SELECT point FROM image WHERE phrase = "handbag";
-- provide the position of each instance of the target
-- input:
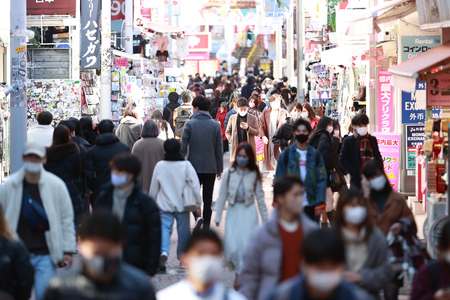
(34, 213)
(190, 204)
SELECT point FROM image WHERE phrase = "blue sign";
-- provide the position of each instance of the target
(415, 135)
(414, 104)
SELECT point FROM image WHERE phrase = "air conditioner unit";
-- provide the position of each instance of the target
(433, 13)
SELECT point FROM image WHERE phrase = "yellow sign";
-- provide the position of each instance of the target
(21, 49)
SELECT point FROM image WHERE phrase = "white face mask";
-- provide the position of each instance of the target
(119, 180)
(242, 113)
(263, 97)
(205, 269)
(305, 115)
(275, 105)
(324, 281)
(355, 215)
(378, 183)
(362, 131)
(330, 129)
(32, 167)
(269, 86)
(296, 115)
(251, 105)
(336, 133)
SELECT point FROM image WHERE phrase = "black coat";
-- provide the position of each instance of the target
(16, 271)
(90, 136)
(350, 158)
(65, 162)
(142, 228)
(284, 135)
(214, 104)
(96, 164)
(127, 284)
(321, 141)
(166, 111)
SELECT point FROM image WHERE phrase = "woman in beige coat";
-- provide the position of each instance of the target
(150, 150)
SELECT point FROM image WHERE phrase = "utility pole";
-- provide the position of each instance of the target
(128, 26)
(300, 55)
(105, 98)
(18, 98)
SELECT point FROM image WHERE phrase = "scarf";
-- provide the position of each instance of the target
(356, 249)
(365, 150)
(173, 156)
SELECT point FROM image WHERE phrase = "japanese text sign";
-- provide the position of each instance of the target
(90, 34)
(389, 145)
(385, 99)
(51, 7)
(121, 62)
(415, 135)
(438, 93)
(415, 45)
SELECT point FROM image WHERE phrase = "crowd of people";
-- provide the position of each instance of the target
(101, 202)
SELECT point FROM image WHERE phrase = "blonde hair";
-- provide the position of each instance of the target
(4, 227)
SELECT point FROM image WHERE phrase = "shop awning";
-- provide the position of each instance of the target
(163, 28)
(377, 10)
(127, 55)
(420, 67)
(341, 55)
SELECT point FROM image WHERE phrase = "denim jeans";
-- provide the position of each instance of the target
(44, 270)
(183, 230)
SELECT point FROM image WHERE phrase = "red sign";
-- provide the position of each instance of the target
(117, 10)
(51, 7)
(121, 62)
(199, 42)
(437, 90)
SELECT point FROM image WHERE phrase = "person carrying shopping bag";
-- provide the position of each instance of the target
(176, 188)
(239, 187)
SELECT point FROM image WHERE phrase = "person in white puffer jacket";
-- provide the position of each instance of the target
(172, 194)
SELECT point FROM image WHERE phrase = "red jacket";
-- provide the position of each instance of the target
(221, 117)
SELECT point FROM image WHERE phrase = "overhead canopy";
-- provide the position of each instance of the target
(127, 55)
(163, 28)
(342, 55)
(378, 9)
(420, 67)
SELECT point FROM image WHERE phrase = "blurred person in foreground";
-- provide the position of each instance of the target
(101, 274)
(43, 132)
(203, 261)
(323, 272)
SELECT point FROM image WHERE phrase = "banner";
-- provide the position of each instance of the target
(90, 34)
(389, 145)
(385, 99)
(415, 135)
(51, 7)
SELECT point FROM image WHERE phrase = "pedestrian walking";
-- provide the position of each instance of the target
(165, 131)
(129, 129)
(38, 208)
(169, 109)
(64, 160)
(253, 106)
(215, 101)
(96, 165)
(247, 89)
(203, 136)
(339, 182)
(183, 113)
(203, 261)
(220, 114)
(303, 160)
(136, 211)
(43, 132)
(16, 271)
(171, 180)
(242, 128)
(79, 138)
(100, 273)
(89, 132)
(231, 111)
(198, 88)
(149, 150)
(309, 114)
(283, 138)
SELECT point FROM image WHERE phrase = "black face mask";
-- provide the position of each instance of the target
(301, 138)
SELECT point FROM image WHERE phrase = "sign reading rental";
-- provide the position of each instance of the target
(51, 7)
(199, 42)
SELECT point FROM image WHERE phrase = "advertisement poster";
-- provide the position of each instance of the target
(438, 93)
(389, 145)
(385, 99)
(415, 135)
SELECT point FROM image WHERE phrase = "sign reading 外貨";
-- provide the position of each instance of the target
(90, 34)
(385, 98)
(415, 135)
(389, 145)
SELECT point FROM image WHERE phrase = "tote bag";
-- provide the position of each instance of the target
(190, 204)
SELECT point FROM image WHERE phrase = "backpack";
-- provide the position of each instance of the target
(197, 90)
(182, 118)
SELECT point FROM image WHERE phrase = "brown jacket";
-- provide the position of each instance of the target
(394, 209)
(232, 133)
(264, 130)
(150, 151)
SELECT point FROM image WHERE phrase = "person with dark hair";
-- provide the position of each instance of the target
(101, 274)
(149, 150)
(64, 160)
(247, 89)
(229, 93)
(242, 128)
(129, 129)
(336, 145)
(167, 188)
(433, 279)
(169, 109)
(197, 87)
(284, 137)
(165, 131)
(203, 136)
(203, 261)
(294, 93)
(219, 114)
(253, 105)
(88, 130)
(365, 245)
(43, 132)
(306, 162)
(242, 185)
(286, 96)
(215, 101)
(322, 278)
(183, 113)
(309, 114)
(273, 254)
(359, 149)
(136, 211)
(96, 165)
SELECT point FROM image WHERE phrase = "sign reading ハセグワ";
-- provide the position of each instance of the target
(90, 34)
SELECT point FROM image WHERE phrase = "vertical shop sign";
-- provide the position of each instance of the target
(389, 145)
(90, 34)
(415, 135)
(385, 107)
(438, 90)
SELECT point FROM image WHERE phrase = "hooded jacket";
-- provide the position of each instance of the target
(129, 131)
(321, 141)
(42, 134)
(284, 135)
(65, 162)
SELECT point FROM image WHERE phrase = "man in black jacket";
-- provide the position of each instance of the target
(100, 274)
(358, 149)
(137, 212)
(96, 165)
(170, 108)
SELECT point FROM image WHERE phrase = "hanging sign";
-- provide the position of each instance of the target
(438, 90)
(389, 145)
(51, 7)
(121, 62)
(90, 34)
(385, 99)
(415, 135)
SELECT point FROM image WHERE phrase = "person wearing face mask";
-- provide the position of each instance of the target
(271, 120)
(365, 245)
(433, 279)
(306, 162)
(136, 211)
(253, 106)
(336, 144)
(274, 251)
(242, 128)
(359, 149)
(309, 114)
(241, 185)
(204, 263)
(39, 210)
(284, 137)
(100, 273)
(323, 269)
